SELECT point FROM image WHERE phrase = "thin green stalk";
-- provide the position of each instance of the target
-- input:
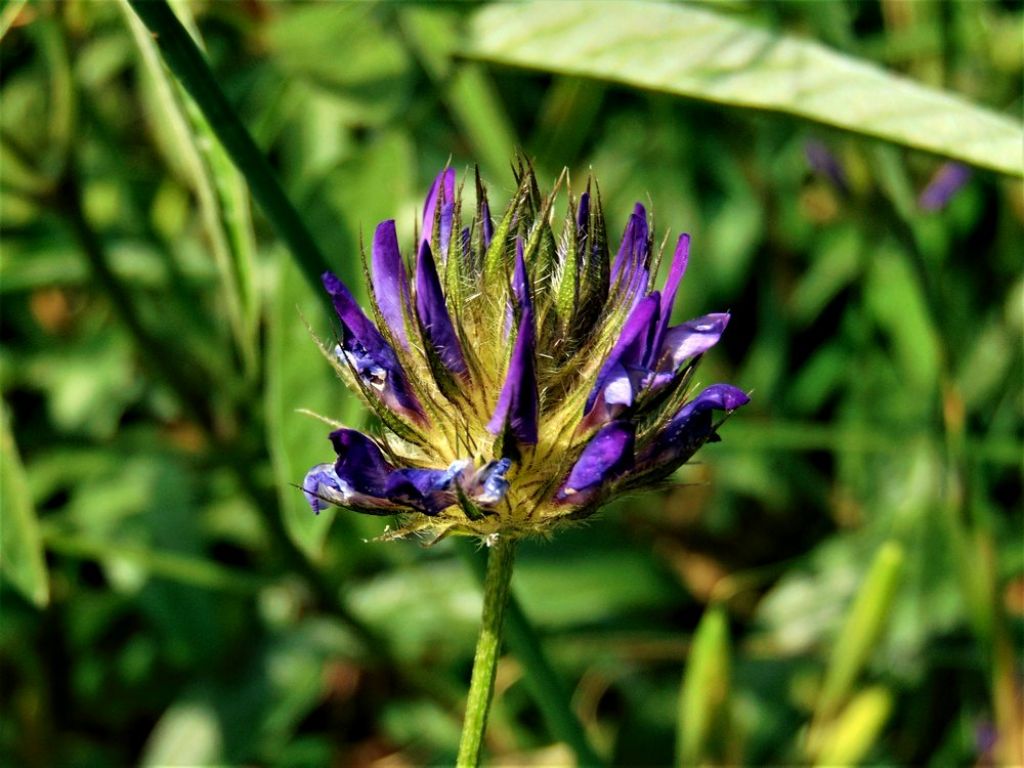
(539, 676)
(485, 662)
(188, 65)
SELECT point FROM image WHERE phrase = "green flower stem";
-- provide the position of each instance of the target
(188, 65)
(485, 662)
(539, 676)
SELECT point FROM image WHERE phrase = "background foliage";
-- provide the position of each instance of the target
(842, 578)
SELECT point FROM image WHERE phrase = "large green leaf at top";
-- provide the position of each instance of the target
(21, 548)
(705, 55)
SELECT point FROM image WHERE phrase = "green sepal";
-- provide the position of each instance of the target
(469, 509)
(596, 272)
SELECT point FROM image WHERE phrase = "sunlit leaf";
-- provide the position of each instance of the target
(705, 55)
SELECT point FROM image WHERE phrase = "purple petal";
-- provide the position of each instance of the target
(519, 403)
(668, 296)
(433, 314)
(690, 428)
(486, 223)
(607, 456)
(426, 490)
(690, 339)
(363, 346)
(632, 255)
(946, 182)
(361, 464)
(321, 487)
(583, 212)
(442, 192)
(630, 350)
(521, 280)
(390, 280)
(718, 397)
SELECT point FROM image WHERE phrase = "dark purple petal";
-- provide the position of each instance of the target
(630, 350)
(718, 397)
(946, 182)
(690, 339)
(362, 479)
(390, 280)
(486, 223)
(583, 212)
(442, 192)
(433, 314)
(521, 280)
(668, 296)
(689, 429)
(607, 456)
(361, 464)
(519, 403)
(824, 162)
(426, 490)
(631, 259)
(373, 359)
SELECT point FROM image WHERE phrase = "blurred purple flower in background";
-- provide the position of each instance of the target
(949, 179)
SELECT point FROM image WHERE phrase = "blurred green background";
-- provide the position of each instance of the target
(840, 580)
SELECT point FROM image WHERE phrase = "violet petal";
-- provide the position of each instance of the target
(442, 192)
(519, 403)
(690, 339)
(668, 295)
(363, 346)
(690, 428)
(390, 280)
(632, 255)
(631, 348)
(433, 314)
(607, 456)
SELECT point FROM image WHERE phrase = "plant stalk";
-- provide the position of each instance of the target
(488, 644)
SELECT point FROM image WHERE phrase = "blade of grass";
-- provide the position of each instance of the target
(705, 692)
(188, 65)
(861, 630)
(190, 132)
(21, 551)
(9, 15)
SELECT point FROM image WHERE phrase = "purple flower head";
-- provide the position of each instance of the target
(949, 179)
(522, 376)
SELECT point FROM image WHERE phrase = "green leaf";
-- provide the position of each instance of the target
(701, 54)
(857, 728)
(705, 687)
(21, 549)
(862, 628)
